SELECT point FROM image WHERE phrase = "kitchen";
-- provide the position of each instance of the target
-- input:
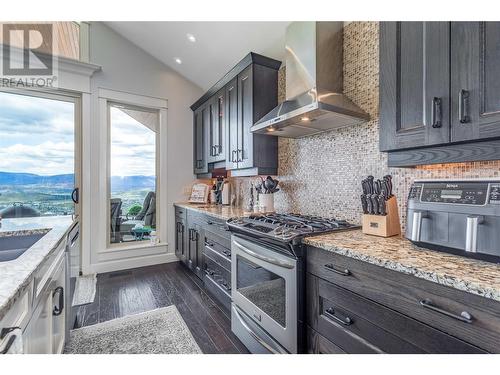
(335, 198)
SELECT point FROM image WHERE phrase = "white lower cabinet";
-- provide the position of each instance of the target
(39, 313)
(38, 333)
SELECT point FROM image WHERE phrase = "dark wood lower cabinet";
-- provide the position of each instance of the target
(357, 325)
(205, 248)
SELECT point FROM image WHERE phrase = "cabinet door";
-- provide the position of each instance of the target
(245, 118)
(200, 140)
(199, 239)
(180, 239)
(475, 74)
(218, 124)
(414, 84)
(59, 310)
(232, 124)
(210, 122)
(38, 333)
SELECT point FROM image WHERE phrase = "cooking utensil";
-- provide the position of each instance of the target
(374, 199)
(369, 204)
(364, 203)
(382, 205)
(388, 179)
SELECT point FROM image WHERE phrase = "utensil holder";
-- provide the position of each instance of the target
(383, 225)
(266, 202)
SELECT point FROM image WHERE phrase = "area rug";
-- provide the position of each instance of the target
(161, 331)
(85, 288)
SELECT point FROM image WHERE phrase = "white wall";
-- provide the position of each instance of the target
(125, 67)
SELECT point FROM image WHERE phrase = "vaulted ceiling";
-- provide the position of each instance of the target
(218, 46)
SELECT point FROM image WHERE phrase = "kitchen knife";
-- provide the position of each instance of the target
(369, 204)
(374, 199)
(369, 179)
(381, 204)
(364, 203)
(388, 178)
(378, 187)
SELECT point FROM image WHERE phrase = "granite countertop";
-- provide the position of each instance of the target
(399, 254)
(218, 211)
(16, 274)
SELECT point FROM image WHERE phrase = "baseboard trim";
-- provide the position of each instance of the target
(125, 264)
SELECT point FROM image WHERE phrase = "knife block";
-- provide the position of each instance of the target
(383, 225)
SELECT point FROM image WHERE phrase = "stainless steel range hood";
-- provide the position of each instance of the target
(314, 84)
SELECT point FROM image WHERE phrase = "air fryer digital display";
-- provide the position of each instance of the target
(475, 193)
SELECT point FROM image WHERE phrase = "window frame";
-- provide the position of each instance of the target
(110, 104)
(69, 97)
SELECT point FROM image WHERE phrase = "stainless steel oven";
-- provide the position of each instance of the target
(264, 294)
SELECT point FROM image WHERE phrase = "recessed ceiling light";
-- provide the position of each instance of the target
(178, 61)
(191, 38)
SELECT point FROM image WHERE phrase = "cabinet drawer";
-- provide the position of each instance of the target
(317, 344)
(218, 273)
(385, 329)
(406, 293)
(219, 245)
(219, 228)
(218, 292)
(180, 211)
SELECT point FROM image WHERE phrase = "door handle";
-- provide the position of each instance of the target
(60, 305)
(463, 106)
(233, 156)
(238, 155)
(436, 113)
(471, 233)
(75, 195)
(254, 335)
(416, 225)
(264, 258)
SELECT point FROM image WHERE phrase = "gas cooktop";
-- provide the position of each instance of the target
(287, 227)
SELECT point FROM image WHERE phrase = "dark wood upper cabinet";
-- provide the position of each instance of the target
(216, 133)
(439, 92)
(200, 144)
(414, 84)
(231, 124)
(475, 85)
(236, 102)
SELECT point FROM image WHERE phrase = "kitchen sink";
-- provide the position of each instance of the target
(13, 247)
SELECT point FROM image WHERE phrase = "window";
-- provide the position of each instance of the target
(37, 155)
(132, 173)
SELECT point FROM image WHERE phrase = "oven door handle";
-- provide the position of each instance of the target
(264, 258)
(254, 335)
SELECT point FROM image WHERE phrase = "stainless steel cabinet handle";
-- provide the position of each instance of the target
(254, 335)
(471, 233)
(60, 306)
(463, 317)
(238, 155)
(232, 156)
(463, 106)
(436, 113)
(264, 258)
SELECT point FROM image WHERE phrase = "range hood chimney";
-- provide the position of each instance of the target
(315, 101)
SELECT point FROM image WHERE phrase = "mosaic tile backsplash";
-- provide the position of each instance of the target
(321, 174)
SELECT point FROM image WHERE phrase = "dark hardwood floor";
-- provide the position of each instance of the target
(141, 289)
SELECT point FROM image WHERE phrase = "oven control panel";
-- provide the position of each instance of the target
(476, 193)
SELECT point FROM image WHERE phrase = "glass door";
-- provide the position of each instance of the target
(132, 179)
(38, 155)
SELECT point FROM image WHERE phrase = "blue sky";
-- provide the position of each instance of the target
(37, 136)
